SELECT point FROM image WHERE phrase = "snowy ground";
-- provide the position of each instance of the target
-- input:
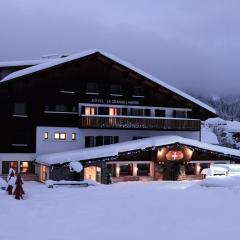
(150, 210)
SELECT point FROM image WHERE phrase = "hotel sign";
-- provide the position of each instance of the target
(113, 101)
(174, 155)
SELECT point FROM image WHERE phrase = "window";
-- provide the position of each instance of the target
(90, 111)
(92, 88)
(74, 136)
(116, 89)
(180, 114)
(99, 141)
(125, 170)
(138, 92)
(60, 136)
(27, 167)
(114, 111)
(92, 141)
(6, 165)
(190, 169)
(159, 113)
(137, 112)
(103, 111)
(46, 135)
(89, 141)
(61, 108)
(20, 108)
(143, 169)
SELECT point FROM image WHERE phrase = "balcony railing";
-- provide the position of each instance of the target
(128, 122)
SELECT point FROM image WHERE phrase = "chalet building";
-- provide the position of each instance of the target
(82, 102)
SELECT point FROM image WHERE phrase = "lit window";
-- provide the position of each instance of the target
(60, 136)
(46, 135)
(27, 167)
(90, 111)
(74, 136)
(114, 111)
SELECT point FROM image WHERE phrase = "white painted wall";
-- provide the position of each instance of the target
(16, 157)
(50, 146)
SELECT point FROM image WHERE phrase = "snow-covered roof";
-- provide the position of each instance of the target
(23, 63)
(72, 57)
(114, 149)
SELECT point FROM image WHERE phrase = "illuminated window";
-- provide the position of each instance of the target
(60, 136)
(46, 135)
(74, 136)
(90, 111)
(114, 111)
(27, 167)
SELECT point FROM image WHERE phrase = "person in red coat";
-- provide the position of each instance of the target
(18, 192)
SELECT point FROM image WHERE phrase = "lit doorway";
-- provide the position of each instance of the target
(92, 173)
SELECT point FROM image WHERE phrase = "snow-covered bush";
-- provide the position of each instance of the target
(75, 167)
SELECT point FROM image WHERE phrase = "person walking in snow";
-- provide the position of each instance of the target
(11, 179)
(18, 192)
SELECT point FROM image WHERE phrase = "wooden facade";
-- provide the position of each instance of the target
(139, 123)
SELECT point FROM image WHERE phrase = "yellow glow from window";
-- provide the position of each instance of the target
(90, 111)
(56, 135)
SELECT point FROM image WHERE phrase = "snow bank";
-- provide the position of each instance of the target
(208, 136)
(232, 126)
(75, 166)
(3, 183)
(221, 181)
(211, 122)
(114, 149)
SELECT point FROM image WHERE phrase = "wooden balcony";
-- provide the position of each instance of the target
(125, 122)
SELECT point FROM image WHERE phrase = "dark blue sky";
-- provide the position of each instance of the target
(193, 45)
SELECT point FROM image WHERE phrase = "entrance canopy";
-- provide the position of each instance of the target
(113, 151)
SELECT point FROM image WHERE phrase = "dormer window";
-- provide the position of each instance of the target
(20, 109)
(116, 90)
(61, 108)
(138, 92)
(92, 88)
